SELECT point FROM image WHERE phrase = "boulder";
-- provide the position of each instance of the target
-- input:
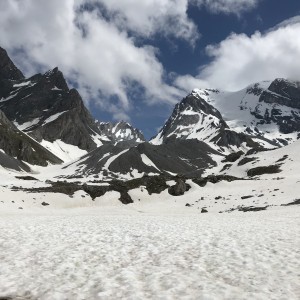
(179, 188)
(272, 169)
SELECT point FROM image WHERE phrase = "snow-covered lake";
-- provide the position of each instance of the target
(103, 253)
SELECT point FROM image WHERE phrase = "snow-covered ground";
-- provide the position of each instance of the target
(56, 246)
(120, 253)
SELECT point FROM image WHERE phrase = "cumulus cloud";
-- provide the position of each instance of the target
(241, 59)
(188, 82)
(100, 44)
(149, 17)
(288, 22)
(167, 17)
(227, 6)
(103, 60)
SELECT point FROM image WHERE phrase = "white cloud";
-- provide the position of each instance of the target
(149, 17)
(167, 17)
(111, 57)
(240, 60)
(105, 60)
(227, 6)
(188, 83)
(288, 22)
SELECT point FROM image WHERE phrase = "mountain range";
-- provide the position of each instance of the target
(44, 125)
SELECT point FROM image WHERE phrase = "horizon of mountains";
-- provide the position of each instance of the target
(44, 122)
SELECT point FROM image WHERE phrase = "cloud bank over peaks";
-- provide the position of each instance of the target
(150, 17)
(240, 59)
(101, 59)
(94, 43)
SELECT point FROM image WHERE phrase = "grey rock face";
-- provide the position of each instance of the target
(179, 188)
(187, 157)
(8, 73)
(17, 147)
(193, 105)
(194, 118)
(45, 108)
(277, 105)
(74, 125)
(12, 163)
(7, 68)
(281, 93)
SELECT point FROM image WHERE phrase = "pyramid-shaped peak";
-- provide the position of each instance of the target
(8, 70)
(58, 79)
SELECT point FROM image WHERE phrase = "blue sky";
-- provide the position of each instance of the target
(180, 57)
(134, 60)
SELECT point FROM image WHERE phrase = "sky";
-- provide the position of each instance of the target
(133, 60)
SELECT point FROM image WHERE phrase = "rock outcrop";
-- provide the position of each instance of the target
(16, 147)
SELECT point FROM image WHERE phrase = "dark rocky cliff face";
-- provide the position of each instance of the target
(283, 92)
(188, 157)
(74, 125)
(18, 146)
(194, 112)
(8, 70)
(8, 73)
(192, 104)
(44, 107)
(280, 94)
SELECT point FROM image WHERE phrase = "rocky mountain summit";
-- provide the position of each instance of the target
(46, 109)
(194, 118)
(8, 70)
(45, 122)
(264, 114)
(283, 97)
(120, 132)
(268, 109)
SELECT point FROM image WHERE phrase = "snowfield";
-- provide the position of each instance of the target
(68, 247)
(117, 252)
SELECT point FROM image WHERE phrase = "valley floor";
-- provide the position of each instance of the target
(121, 253)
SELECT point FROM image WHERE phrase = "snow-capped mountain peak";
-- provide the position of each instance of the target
(120, 132)
(267, 111)
(195, 118)
(192, 118)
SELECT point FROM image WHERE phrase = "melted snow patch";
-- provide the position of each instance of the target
(8, 98)
(97, 140)
(54, 117)
(22, 84)
(27, 125)
(65, 152)
(148, 162)
(111, 159)
(157, 140)
(56, 88)
(104, 156)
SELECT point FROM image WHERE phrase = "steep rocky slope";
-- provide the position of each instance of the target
(264, 114)
(268, 109)
(195, 118)
(44, 107)
(187, 157)
(204, 127)
(16, 147)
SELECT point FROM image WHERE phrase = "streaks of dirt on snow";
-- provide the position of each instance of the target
(236, 256)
